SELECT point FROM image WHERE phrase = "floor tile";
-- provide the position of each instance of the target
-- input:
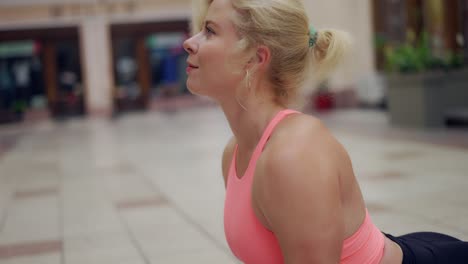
(49, 258)
(31, 220)
(30, 249)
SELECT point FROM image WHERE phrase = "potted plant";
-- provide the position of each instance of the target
(18, 108)
(422, 87)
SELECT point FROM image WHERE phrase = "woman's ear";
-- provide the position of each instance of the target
(260, 59)
(263, 57)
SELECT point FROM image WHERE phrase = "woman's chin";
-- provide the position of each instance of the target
(194, 89)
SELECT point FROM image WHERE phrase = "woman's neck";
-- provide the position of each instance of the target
(249, 124)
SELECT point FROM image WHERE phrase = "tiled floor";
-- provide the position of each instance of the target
(147, 188)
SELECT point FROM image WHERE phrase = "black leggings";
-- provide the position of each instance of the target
(431, 248)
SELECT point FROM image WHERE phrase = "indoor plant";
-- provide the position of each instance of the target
(422, 87)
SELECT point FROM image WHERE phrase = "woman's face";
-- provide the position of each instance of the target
(211, 52)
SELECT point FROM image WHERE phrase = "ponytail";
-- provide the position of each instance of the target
(328, 51)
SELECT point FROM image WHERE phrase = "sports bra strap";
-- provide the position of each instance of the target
(269, 130)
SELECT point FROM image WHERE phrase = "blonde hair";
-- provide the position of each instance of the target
(283, 26)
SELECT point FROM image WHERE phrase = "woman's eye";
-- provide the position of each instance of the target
(208, 30)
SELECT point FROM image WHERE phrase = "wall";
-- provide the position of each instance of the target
(354, 17)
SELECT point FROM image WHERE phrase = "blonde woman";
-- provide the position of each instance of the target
(291, 195)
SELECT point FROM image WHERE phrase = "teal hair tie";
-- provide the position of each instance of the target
(313, 34)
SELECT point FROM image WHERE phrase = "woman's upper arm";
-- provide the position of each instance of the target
(227, 158)
(298, 193)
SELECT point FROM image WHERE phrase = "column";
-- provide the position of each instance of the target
(97, 68)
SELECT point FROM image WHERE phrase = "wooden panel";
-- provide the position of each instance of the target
(389, 19)
(143, 74)
(415, 19)
(394, 17)
(50, 72)
(443, 20)
(451, 24)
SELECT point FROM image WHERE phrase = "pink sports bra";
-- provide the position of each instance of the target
(252, 243)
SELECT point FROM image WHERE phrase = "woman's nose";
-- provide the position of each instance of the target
(190, 45)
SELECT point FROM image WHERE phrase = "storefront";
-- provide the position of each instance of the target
(40, 71)
(148, 62)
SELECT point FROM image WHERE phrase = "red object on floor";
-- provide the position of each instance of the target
(323, 101)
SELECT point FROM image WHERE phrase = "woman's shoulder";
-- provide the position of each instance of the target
(301, 141)
(299, 132)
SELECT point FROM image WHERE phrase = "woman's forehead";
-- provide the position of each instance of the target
(220, 12)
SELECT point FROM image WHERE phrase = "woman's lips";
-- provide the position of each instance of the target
(191, 67)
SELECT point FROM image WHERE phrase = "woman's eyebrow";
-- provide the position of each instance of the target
(207, 22)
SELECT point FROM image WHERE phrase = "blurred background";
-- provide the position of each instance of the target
(105, 157)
